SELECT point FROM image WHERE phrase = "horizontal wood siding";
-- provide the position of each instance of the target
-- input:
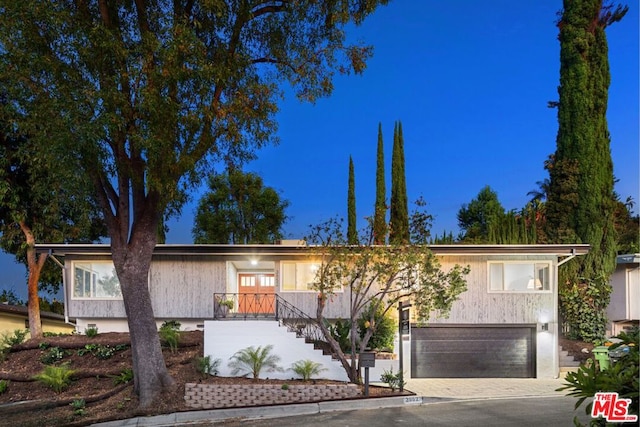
(478, 305)
(183, 287)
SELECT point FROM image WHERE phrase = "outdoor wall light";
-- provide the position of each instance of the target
(545, 327)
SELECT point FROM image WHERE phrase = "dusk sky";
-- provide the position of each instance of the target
(470, 81)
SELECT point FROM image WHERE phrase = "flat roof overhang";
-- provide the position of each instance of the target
(216, 249)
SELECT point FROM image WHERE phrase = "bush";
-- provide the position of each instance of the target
(78, 406)
(253, 361)
(384, 327)
(340, 332)
(307, 368)
(621, 377)
(4, 385)
(57, 378)
(170, 334)
(206, 366)
(123, 377)
(55, 354)
(91, 332)
(18, 337)
(394, 381)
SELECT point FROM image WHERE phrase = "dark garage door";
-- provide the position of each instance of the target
(473, 352)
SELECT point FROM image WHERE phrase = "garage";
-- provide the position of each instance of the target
(471, 351)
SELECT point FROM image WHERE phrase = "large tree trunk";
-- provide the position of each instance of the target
(132, 262)
(34, 267)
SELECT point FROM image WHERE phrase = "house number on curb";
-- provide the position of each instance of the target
(413, 400)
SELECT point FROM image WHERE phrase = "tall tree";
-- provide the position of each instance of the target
(476, 217)
(399, 216)
(149, 95)
(380, 207)
(580, 205)
(352, 229)
(39, 201)
(239, 209)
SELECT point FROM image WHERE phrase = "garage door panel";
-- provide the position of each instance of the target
(473, 352)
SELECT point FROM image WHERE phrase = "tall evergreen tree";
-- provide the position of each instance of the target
(352, 230)
(380, 208)
(399, 216)
(580, 203)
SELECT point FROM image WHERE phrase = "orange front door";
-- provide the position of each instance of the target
(257, 293)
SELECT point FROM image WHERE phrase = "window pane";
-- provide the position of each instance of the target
(288, 276)
(306, 275)
(518, 277)
(96, 280)
(542, 277)
(495, 277)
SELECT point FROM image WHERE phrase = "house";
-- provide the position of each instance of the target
(13, 317)
(624, 307)
(504, 325)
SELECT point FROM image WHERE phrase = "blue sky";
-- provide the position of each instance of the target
(470, 81)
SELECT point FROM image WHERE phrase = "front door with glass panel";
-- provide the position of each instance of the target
(257, 293)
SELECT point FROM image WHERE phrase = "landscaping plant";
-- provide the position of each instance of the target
(4, 385)
(125, 377)
(170, 334)
(91, 331)
(383, 326)
(252, 360)
(57, 378)
(621, 377)
(55, 354)
(394, 381)
(307, 368)
(206, 366)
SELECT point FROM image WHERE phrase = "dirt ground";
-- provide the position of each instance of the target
(94, 381)
(580, 350)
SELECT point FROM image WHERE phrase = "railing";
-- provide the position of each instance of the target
(244, 306)
(270, 306)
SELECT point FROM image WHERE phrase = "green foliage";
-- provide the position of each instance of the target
(254, 361)
(53, 355)
(382, 326)
(239, 209)
(18, 337)
(91, 332)
(78, 406)
(340, 331)
(420, 223)
(584, 308)
(477, 217)
(285, 387)
(307, 369)
(394, 381)
(57, 378)
(170, 334)
(399, 215)
(4, 385)
(124, 377)
(380, 209)
(207, 366)
(10, 297)
(621, 377)
(352, 229)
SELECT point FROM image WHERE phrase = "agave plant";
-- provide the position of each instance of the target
(252, 360)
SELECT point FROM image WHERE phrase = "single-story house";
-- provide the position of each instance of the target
(624, 307)
(504, 325)
(13, 317)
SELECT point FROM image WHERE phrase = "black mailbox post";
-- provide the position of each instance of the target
(367, 360)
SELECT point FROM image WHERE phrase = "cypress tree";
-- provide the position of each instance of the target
(352, 231)
(581, 198)
(380, 208)
(399, 216)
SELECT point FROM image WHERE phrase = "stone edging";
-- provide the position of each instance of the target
(210, 396)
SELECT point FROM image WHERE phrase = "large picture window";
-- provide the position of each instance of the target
(95, 280)
(519, 276)
(297, 276)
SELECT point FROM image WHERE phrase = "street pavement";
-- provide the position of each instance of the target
(427, 391)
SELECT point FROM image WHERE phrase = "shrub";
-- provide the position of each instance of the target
(18, 337)
(4, 385)
(55, 354)
(394, 381)
(78, 406)
(170, 334)
(57, 378)
(123, 377)
(384, 327)
(253, 361)
(307, 368)
(206, 366)
(340, 332)
(621, 377)
(91, 331)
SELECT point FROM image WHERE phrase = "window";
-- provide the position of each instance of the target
(95, 280)
(297, 276)
(519, 276)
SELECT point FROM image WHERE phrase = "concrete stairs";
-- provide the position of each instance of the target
(567, 362)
